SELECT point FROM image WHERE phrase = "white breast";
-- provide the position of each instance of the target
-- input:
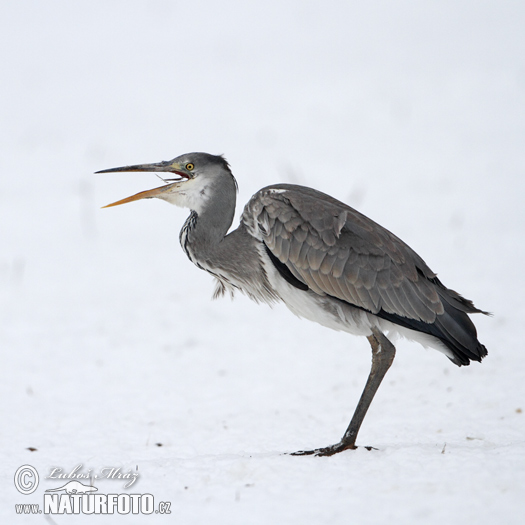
(341, 316)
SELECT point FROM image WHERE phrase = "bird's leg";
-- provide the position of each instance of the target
(383, 353)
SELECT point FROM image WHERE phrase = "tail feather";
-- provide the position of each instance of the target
(453, 328)
(455, 299)
(456, 330)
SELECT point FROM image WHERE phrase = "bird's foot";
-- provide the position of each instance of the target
(329, 451)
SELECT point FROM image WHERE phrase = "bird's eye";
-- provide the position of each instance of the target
(189, 166)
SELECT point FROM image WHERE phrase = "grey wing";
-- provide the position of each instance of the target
(337, 251)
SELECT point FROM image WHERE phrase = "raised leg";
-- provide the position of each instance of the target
(383, 353)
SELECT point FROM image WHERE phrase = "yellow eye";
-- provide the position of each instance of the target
(189, 166)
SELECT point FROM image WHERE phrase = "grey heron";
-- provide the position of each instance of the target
(323, 259)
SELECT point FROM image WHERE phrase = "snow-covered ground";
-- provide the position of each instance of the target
(412, 112)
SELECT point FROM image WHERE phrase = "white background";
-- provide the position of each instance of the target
(412, 112)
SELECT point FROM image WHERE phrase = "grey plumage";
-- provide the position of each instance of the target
(325, 260)
(340, 253)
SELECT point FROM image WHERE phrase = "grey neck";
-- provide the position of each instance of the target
(203, 232)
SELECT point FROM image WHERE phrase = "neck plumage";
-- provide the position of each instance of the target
(203, 232)
(233, 258)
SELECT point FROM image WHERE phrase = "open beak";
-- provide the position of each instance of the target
(165, 167)
(149, 194)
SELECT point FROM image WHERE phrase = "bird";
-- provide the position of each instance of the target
(323, 259)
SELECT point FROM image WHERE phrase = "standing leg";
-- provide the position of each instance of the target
(383, 353)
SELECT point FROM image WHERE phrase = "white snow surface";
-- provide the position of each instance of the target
(412, 112)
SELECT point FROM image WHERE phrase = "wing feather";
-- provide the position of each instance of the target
(337, 251)
(340, 263)
(328, 264)
(295, 250)
(315, 258)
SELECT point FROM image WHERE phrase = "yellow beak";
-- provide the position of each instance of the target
(148, 194)
(165, 166)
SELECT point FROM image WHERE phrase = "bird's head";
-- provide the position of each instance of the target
(198, 177)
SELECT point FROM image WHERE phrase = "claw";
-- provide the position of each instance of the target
(329, 451)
